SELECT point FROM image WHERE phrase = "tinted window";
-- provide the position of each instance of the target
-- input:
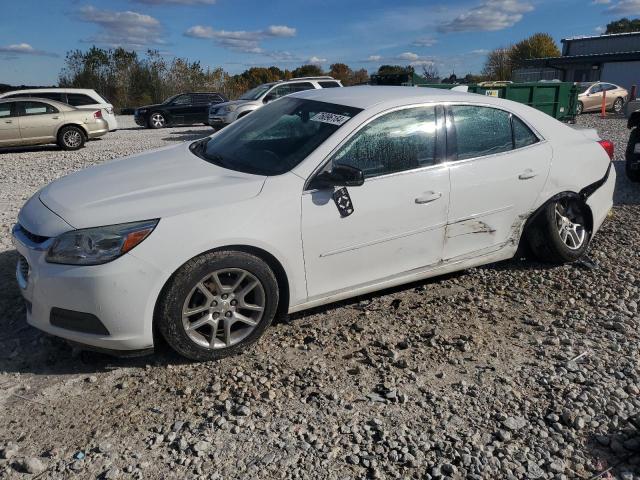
(481, 131)
(608, 86)
(79, 99)
(18, 95)
(5, 109)
(182, 100)
(202, 98)
(58, 97)
(522, 135)
(398, 141)
(37, 108)
(300, 87)
(329, 84)
(275, 138)
(596, 89)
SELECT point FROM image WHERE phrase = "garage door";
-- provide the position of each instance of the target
(624, 74)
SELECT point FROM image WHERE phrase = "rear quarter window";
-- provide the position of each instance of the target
(79, 99)
(329, 84)
(522, 135)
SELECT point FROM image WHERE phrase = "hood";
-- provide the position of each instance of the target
(155, 105)
(153, 184)
(234, 102)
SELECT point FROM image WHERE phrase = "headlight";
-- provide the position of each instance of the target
(229, 108)
(142, 110)
(95, 246)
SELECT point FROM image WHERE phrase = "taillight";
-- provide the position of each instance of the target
(608, 147)
(97, 114)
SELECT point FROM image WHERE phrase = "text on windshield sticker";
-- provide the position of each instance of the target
(332, 118)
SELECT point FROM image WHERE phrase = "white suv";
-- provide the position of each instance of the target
(82, 98)
(222, 114)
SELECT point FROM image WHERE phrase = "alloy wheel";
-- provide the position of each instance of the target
(72, 138)
(157, 120)
(570, 224)
(617, 105)
(223, 308)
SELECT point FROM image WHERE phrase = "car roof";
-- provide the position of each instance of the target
(368, 95)
(51, 89)
(38, 99)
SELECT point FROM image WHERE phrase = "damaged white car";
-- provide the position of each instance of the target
(317, 197)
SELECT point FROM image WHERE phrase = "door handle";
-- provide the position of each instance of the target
(55, 118)
(527, 174)
(428, 197)
(8, 121)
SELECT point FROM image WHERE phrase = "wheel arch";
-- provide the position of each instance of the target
(278, 270)
(71, 124)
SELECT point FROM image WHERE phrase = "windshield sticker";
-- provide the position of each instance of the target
(332, 118)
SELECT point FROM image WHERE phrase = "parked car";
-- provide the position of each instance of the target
(38, 121)
(632, 153)
(81, 98)
(590, 97)
(226, 113)
(320, 196)
(181, 109)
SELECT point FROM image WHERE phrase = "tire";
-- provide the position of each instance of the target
(71, 138)
(185, 303)
(618, 105)
(157, 120)
(579, 108)
(634, 137)
(544, 234)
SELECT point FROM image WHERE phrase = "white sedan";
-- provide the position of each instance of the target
(317, 197)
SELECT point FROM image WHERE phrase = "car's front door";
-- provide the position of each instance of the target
(9, 125)
(399, 213)
(38, 121)
(593, 99)
(181, 110)
(498, 169)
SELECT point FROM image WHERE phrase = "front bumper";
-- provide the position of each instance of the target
(222, 120)
(74, 302)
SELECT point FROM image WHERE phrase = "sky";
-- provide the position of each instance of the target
(453, 35)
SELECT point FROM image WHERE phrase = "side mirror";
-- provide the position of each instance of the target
(269, 98)
(338, 176)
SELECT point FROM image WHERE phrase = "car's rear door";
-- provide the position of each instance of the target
(181, 110)
(399, 213)
(9, 124)
(200, 111)
(498, 168)
(39, 121)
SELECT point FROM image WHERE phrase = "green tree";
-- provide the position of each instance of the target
(498, 64)
(307, 71)
(341, 72)
(360, 77)
(538, 45)
(624, 25)
(394, 69)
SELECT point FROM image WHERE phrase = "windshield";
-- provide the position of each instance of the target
(255, 93)
(275, 138)
(583, 87)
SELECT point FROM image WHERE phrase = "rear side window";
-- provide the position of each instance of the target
(79, 99)
(481, 131)
(37, 108)
(395, 142)
(5, 109)
(300, 87)
(522, 135)
(201, 99)
(329, 84)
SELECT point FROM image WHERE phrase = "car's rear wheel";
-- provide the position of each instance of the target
(157, 120)
(618, 105)
(217, 304)
(71, 138)
(579, 108)
(560, 232)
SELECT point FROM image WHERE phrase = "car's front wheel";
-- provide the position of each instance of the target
(157, 120)
(579, 108)
(217, 304)
(618, 105)
(560, 232)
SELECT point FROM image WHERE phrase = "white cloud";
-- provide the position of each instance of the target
(374, 58)
(409, 56)
(316, 60)
(422, 63)
(424, 42)
(625, 7)
(176, 2)
(490, 15)
(17, 49)
(127, 28)
(241, 40)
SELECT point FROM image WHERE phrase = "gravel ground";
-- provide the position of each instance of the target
(513, 370)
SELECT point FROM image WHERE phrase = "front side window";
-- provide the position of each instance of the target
(37, 108)
(481, 131)
(182, 100)
(5, 109)
(255, 93)
(275, 138)
(596, 89)
(397, 141)
(79, 99)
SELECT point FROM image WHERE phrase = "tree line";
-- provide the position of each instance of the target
(128, 79)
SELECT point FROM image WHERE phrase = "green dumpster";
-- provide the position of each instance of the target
(558, 99)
